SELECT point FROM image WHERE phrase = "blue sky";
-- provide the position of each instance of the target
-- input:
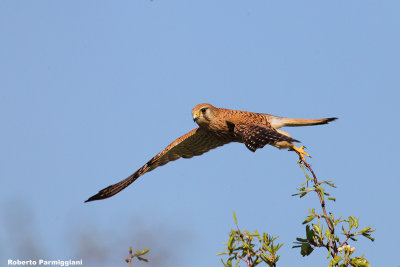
(91, 90)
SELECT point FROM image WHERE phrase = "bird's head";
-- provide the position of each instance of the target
(204, 113)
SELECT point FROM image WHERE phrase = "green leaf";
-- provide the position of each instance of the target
(359, 262)
(309, 233)
(306, 249)
(369, 237)
(222, 253)
(317, 229)
(356, 223)
(331, 221)
(352, 238)
(337, 220)
(329, 183)
(328, 234)
(332, 198)
(309, 219)
(144, 251)
(230, 242)
(277, 258)
(344, 230)
(142, 259)
(265, 237)
(365, 230)
(302, 240)
(234, 217)
(226, 265)
(353, 222)
(334, 261)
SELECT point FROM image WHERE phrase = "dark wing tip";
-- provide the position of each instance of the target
(114, 189)
(104, 193)
(98, 196)
(331, 119)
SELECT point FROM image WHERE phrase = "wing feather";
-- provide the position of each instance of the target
(194, 143)
(256, 136)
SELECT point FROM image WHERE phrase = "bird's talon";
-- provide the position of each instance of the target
(300, 151)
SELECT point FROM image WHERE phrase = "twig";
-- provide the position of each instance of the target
(303, 161)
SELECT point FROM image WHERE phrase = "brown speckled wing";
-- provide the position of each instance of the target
(194, 143)
(256, 136)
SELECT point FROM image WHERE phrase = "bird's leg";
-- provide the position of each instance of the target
(300, 151)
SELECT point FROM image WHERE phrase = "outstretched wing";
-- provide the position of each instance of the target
(194, 143)
(256, 136)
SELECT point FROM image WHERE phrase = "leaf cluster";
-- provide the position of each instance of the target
(338, 247)
(251, 248)
(317, 186)
(137, 255)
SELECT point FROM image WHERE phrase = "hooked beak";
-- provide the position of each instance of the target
(195, 117)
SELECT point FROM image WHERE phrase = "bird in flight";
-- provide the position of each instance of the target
(217, 127)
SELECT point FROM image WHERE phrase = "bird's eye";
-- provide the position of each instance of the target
(203, 110)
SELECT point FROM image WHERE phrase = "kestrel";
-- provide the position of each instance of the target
(217, 127)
